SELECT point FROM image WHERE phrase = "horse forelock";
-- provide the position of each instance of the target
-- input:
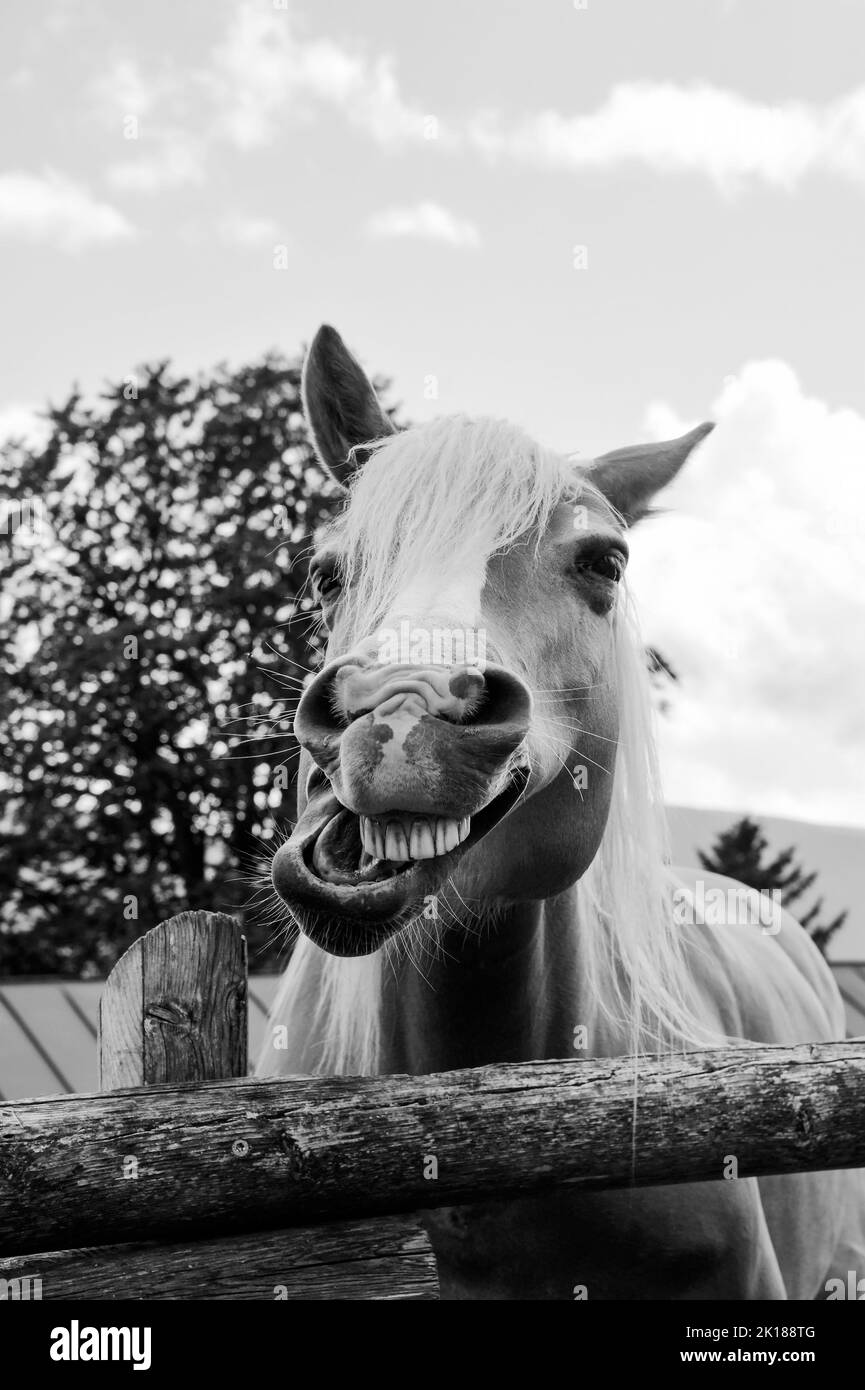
(438, 500)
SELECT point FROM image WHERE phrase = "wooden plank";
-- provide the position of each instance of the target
(120, 1033)
(174, 1006)
(177, 1163)
(389, 1258)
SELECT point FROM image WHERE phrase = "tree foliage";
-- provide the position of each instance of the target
(157, 613)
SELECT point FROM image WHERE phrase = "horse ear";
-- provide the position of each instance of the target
(629, 478)
(339, 403)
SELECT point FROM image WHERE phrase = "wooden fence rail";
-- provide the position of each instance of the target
(231, 1156)
(206, 1166)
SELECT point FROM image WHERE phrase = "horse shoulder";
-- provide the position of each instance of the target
(761, 978)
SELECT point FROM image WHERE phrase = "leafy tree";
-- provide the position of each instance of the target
(741, 853)
(156, 614)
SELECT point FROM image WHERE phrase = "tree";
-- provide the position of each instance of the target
(155, 615)
(662, 676)
(740, 853)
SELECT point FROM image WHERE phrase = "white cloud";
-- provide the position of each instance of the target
(172, 160)
(53, 209)
(263, 72)
(251, 232)
(266, 73)
(151, 116)
(426, 220)
(260, 78)
(754, 588)
(124, 91)
(700, 129)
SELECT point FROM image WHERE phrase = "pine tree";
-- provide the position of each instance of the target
(741, 853)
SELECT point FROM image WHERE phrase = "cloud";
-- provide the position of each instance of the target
(158, 154)
(263, 73)
(53, 209)
(171, 160)
(259, 79)
(700, 129)
(124, 91)
(266, 75)
(426, 220)
(249, 232)
(753, 587)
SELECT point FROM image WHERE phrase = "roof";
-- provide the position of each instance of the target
(48, 1029)
(48, 1033)
(850, 979)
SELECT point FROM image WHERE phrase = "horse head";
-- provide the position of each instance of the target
(459, 743)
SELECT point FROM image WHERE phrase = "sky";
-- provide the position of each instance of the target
(604, 220)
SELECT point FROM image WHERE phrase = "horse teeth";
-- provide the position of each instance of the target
(421, 844)
(366, 838)
(396, 844)
(371, 837)
(412, 837)
(451, 834)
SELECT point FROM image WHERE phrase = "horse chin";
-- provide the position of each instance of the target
(349, 904)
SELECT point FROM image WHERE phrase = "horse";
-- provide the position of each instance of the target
(479, 870)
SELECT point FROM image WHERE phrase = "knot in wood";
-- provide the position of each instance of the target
(169, 1013)
(293, 1153)
(805, 1117)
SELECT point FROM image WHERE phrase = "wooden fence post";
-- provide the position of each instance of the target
(174, 1009)
(174, 1006)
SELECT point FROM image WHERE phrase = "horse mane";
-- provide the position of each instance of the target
(465, 488)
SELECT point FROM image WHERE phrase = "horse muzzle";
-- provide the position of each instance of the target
(413, 769)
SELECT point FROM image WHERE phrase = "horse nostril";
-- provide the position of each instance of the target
(467, 684)
(318, 724)
(506, 703)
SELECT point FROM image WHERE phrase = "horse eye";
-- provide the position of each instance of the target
(610, 566)
(328, 585)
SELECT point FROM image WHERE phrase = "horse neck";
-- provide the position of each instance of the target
(506, 990)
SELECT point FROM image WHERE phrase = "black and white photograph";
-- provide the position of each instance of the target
(432, 669)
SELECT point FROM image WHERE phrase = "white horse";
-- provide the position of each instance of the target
(479, 872)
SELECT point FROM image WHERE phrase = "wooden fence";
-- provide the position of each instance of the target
(184, 1178)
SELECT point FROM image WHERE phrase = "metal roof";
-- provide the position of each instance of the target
(850, 979)
(48, 1029)
(48, 1033)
